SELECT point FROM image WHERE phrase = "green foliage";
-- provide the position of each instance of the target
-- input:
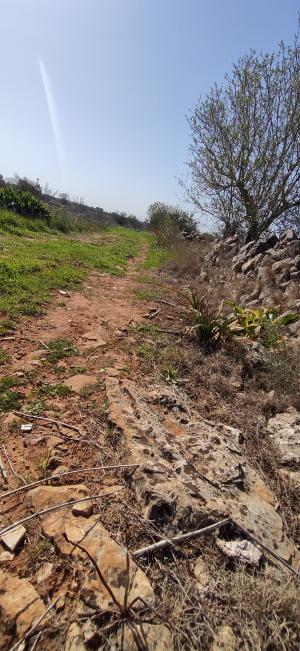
(54, 390)
(9, 400)
(3, 356)
(265, 323)
(33, 265)
(23, 203)
(208, 324)
(169, 222)
(61, 348)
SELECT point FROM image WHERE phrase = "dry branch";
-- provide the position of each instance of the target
(54, 421)
(64, 474)
(177, 540)
(51, 509)
(12, 468)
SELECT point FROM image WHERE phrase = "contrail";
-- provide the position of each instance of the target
(53, 116)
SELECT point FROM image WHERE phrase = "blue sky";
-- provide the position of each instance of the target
(121, 76)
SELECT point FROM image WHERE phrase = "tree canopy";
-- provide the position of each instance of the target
(245, 151)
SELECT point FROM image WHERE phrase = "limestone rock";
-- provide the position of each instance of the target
(20, 604)
(190, 470)
(74, 640)
(201, 574)
(12, 539)
(78, 382)
(224, 640)
(94, 339)
(44, 572)
(110, 557)
(240, 550)
(284, 429)
(158, 638)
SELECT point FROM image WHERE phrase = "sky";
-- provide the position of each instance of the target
(94, 93)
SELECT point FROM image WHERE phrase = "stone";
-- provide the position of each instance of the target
(284, 429)
(288, 236)
(251, 264)
(224, 639)
(240, 550)
(44, 572)
(190, 469)
(20, 604)
(265, 243)
(201, 574)
(110, 557)
(94, 339)
(74, 639)
(282, 265)
(157, 636)
(6, 555)
(265, 274)
(78, 382)
(12, 539)
(84, 508)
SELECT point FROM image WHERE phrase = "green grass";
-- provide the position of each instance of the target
(53, 391)
(35, 260)
(61, 348)
(157, 255)
(9, 399)
(3, 356)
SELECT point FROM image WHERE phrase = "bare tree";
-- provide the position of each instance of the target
(245, 151)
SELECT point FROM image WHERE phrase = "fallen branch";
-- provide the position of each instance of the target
(51, 509)
(12, 468)
(177, 540)
(48, 420)
(265, 548)
(44, 345)
(64, 474)
(53, 421)
(35, 626)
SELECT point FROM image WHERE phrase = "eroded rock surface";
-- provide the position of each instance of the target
(20, 604)
(284, 429)
(110, 557)
(191, 470)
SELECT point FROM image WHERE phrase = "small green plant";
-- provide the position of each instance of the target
(4, 357)
(54, 391)
(264, 323)
(209, 325)
(7, 326)
(43, 463)
(9, 400)
(61, 348)
(35, 408)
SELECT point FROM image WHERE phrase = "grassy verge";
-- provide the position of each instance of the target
(35, 260)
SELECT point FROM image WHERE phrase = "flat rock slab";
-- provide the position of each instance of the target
(240, 550)
(156, 636)
(110, 557)
(20, 605)
(285, 431)
(93, 339)
(191, 471)
(12, 539)
(78, 382)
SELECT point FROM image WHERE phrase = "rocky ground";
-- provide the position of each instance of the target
(144, 448)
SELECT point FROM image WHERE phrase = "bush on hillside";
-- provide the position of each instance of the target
(170, 223)
(23, 203)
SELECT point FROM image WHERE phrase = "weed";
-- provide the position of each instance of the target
(77, 370)
(4, 357)
(38, 551)
(9, 400)
(35, 408)
(61, 348)
(208, 324)
(7, 326)
(43, 463)
(265, 323)
(146, 294)
(54, 390)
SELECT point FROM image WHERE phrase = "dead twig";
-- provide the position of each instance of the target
(64, 474)
(54, 421)
(44, 345)
(177, 540)
(51, 509)
(265, 548)
(35, 626)
(12, 468)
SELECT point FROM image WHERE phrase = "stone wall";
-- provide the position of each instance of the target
(268, 270)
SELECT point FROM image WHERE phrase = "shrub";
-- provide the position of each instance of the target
(170, 223)
(265, 323)
(23, 203)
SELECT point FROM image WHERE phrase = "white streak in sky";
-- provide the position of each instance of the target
(53, 116)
